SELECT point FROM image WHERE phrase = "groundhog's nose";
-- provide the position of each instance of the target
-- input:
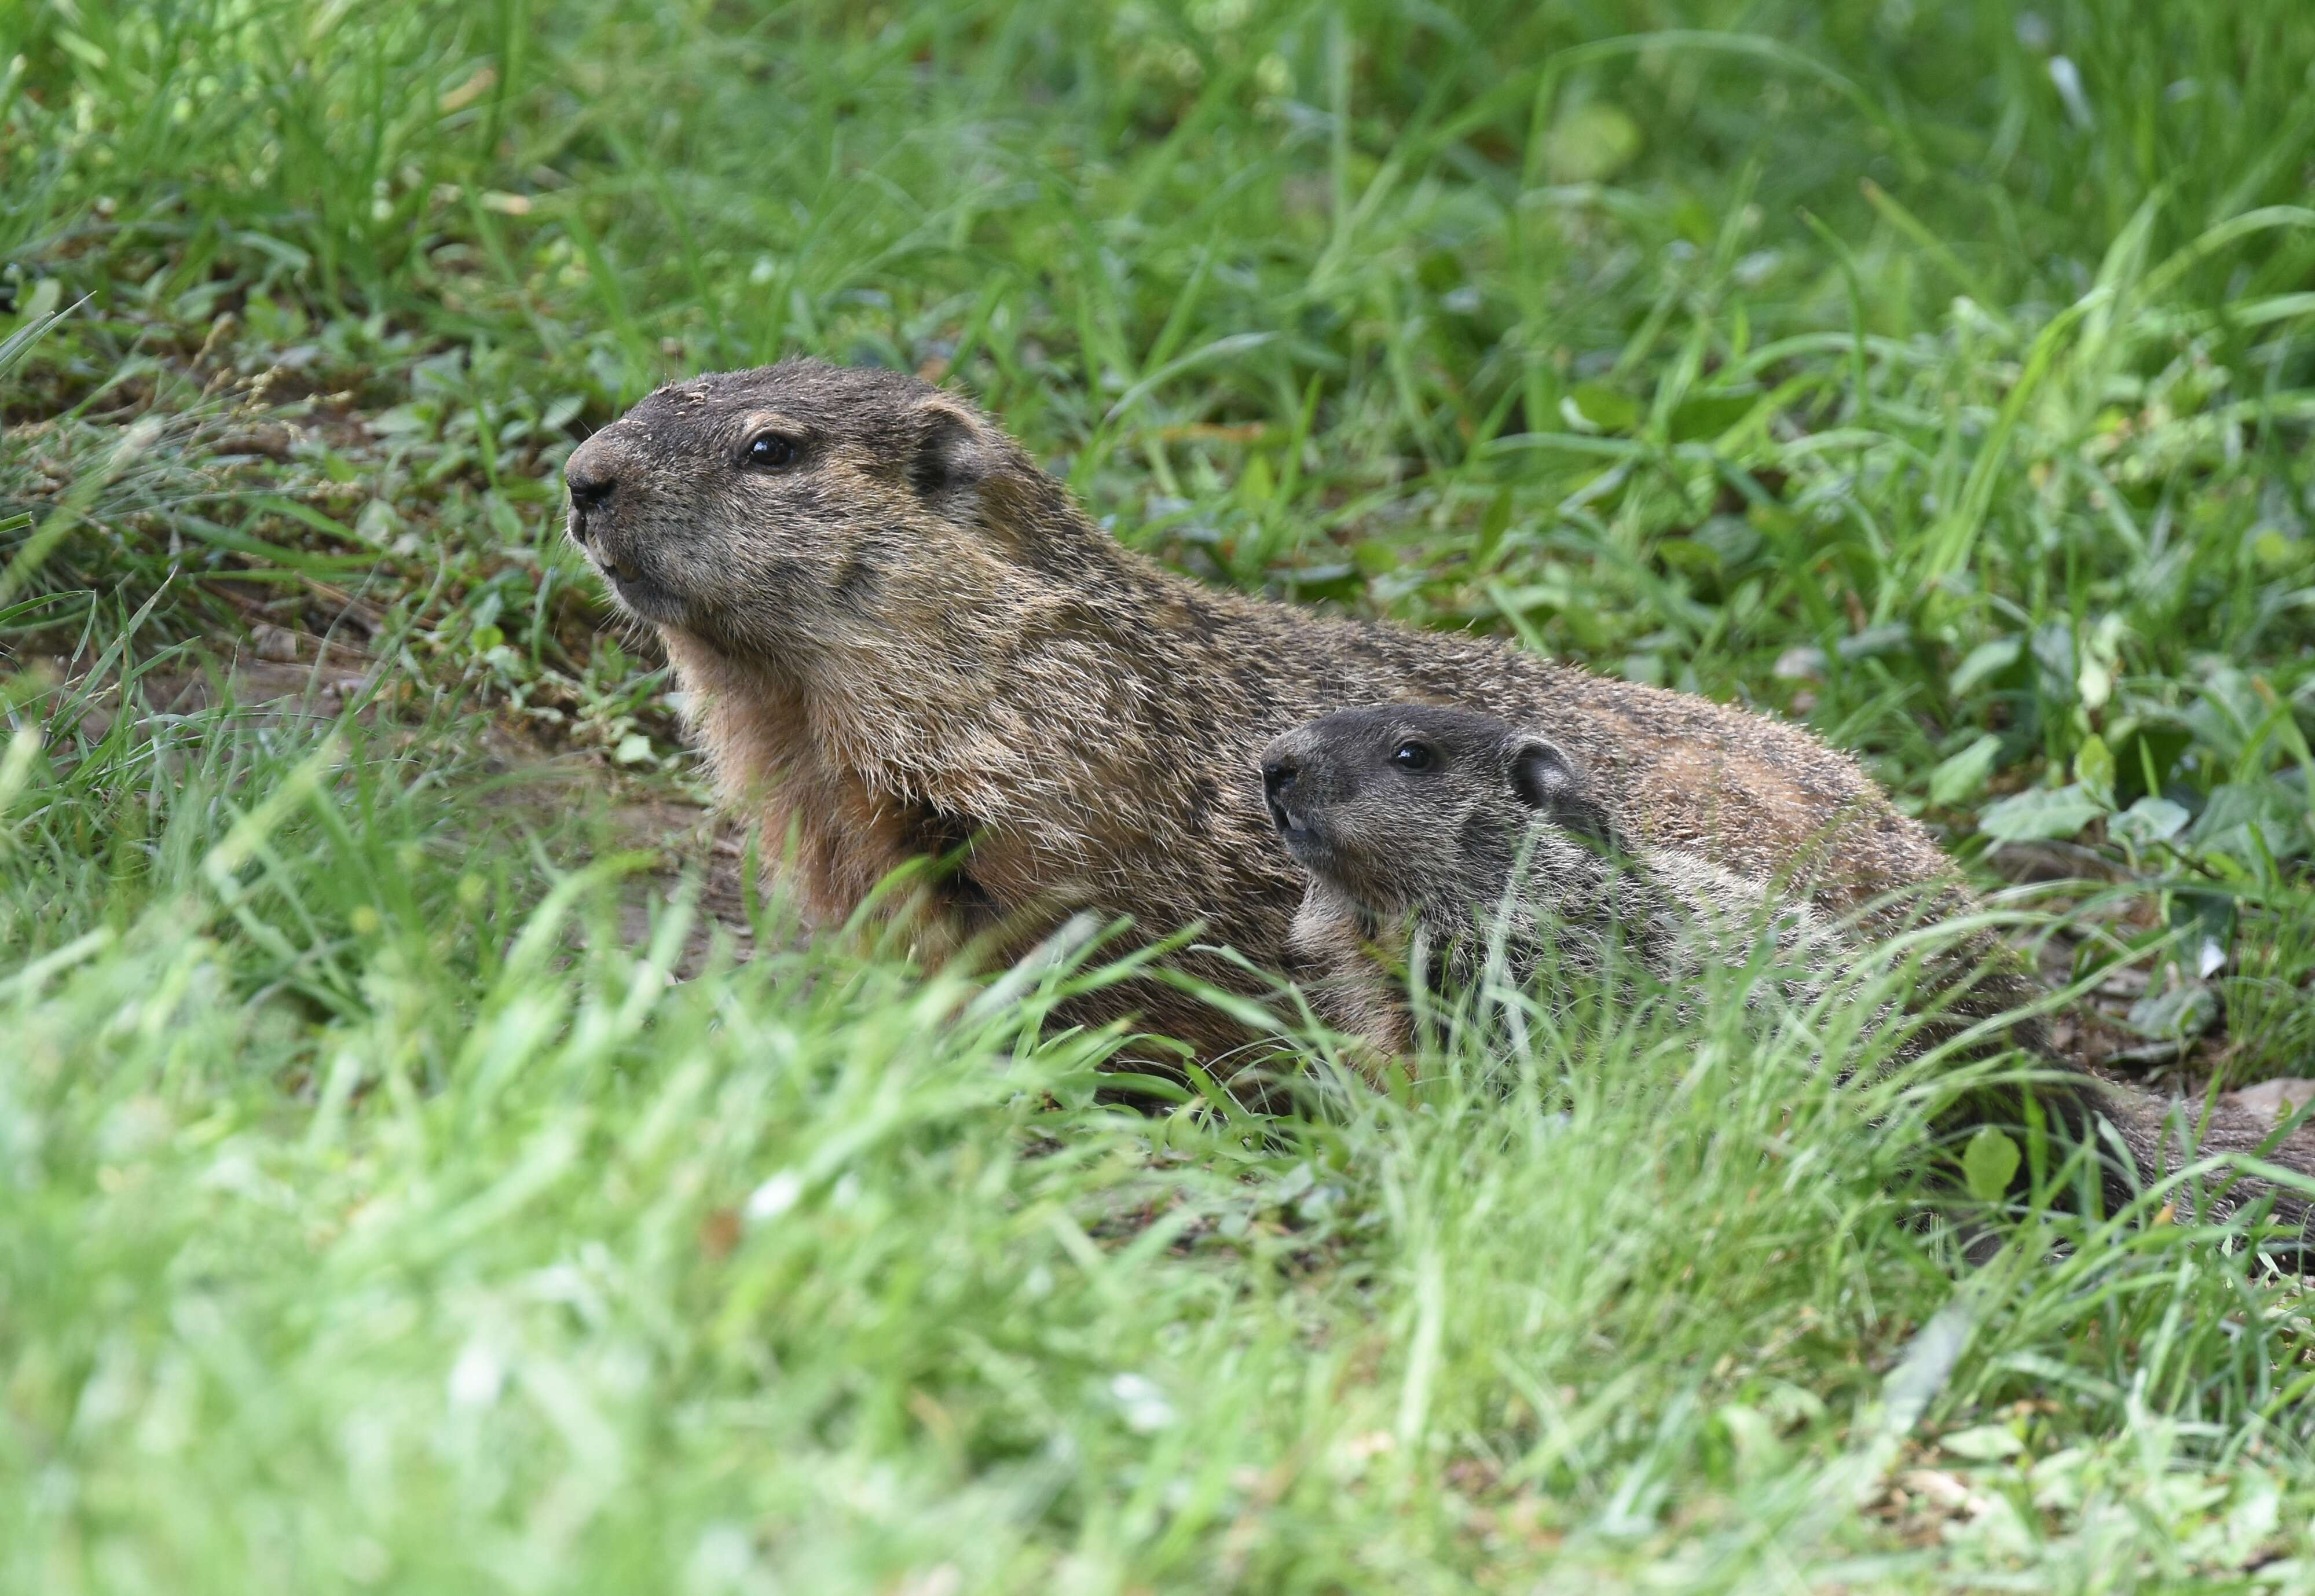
(591, 474)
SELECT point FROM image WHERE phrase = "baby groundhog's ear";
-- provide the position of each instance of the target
(1546, 781)
(950, 454)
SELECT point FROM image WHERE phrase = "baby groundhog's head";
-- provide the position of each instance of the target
(1415, 807)
(767, 511)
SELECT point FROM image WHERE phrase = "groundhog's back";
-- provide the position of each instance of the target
(1767, 800)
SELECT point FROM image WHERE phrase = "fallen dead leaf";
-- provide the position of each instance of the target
(1944, 1490)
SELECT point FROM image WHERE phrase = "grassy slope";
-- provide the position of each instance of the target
(374, 1216)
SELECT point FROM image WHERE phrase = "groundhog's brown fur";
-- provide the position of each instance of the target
(1433, 837)
(899, 635)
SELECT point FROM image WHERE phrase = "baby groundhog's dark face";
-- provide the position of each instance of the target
(767, 511)
(1415, 805)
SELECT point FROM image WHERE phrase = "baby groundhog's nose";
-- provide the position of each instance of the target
(1278, 775)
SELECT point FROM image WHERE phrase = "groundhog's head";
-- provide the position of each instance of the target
(762, 512)
(1414, 806)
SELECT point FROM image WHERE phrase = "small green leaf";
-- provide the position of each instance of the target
(1602, 408)
(1593, 142)
(1686, 553)
(1255, 484)
(1988, 1163)
(2039, 815)
(2148, 821)
(1492, 528)
(1987, 659)
(2243, 817)
(1983, 1444)
(42, 301)
(1732, 537)
(2183, 1011)
(377, 523)
(1876, 641)
(2095, 684)
(2094, 767)
(1708, 415)
(2205, 925)
(1962, 775)
(503, 520)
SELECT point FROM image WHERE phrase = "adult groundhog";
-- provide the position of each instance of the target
(901, 638)
(1437, 841)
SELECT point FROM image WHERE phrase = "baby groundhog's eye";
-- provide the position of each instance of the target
(1413, 755)
(770, 451)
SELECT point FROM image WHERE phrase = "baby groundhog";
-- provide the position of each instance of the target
(1443, 845)
(1437, 840)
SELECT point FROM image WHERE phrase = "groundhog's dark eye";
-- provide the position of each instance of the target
(769, 451)
(1413, 755)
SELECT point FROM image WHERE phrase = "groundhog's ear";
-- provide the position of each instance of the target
(949, 455)
(1545, 780)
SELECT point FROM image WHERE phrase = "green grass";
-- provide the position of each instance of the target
(376, 1211)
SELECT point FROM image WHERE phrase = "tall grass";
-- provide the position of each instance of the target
(403, 1188)
(368, 1225)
